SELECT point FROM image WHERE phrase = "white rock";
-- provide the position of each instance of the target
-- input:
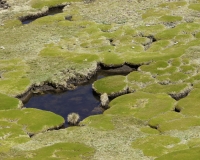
(2, 47)
(104, 100)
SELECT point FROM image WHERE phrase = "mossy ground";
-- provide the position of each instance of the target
(162, 37)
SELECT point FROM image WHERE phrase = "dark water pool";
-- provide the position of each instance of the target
(82, 100)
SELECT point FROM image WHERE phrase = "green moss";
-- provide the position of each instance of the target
(101, 122)
(8, 102)
(129, 48)
(194, 142)
(155, 145)
(168, 18)
(49, 3)
(188, 69)
(179, 124)
(140, 58)
(110, 59)
(112, 85)
(83, 58)
(190, 104)
(35, 120)
(188, 28)
(141, 105)
(195, 6)
(173, 5)
(12, 23)
(172, 89)
(167, 34)
(185, 38)
(153, 13)
(149, 130)
(46, 20)
(192, 153)
(176, 62)
(76, 151)
(165, 117)
(159, 45)
(157, 68)
(141, 40)
(140, 79)
(150, 30)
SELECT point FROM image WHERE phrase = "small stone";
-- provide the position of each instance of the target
(2, 47)
(104, 100)
(69, 18)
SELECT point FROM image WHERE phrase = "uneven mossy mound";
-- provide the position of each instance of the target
(161, 38)
(76, 151)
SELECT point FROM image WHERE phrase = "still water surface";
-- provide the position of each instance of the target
(82, 100)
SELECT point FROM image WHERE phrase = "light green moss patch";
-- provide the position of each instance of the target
(7, 102)
(168, 18)
(46, 20)
(76, 151)
(110, 59)
(12, 23)
(184, 38)
(195, 6)
(113, 85)
(49, 3)
(129, 48)
(139, 79)
(141, 40)
(167, 34)
(179, 124)
(149, 130)
(190, 104)
(165, 117)
(189, 28)
(153, 13)
(172, 89)
(33, 120)
(157, 68)
(140, 58)
(150, 30)
(83, 57)
(159, 45)
(194, 142)
(141, 105)
(192, 153)
(155, 145)
(101, 122)
(173, 5)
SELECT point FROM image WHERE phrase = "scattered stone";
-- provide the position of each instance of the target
(104, 100)
(2, 47)
(68, 17)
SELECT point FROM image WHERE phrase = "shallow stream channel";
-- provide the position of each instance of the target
(81, 100)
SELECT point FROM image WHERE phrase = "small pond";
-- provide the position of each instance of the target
(82, 100)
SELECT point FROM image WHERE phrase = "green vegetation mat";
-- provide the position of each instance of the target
(153, 112)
